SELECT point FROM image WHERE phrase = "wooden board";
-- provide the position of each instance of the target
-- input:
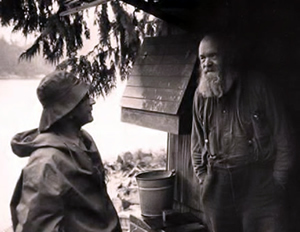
(168, 49)
(158, 106)
(163, 122)
(158, 70)
(160, 94)
(160, 81)
(173, 39)
(172, 82)
(179, 158)
(152, 59)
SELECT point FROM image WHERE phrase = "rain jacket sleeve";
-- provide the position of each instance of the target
(41, 206)
(198, 148)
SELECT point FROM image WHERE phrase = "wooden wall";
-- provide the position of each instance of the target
(159, 83)
(160, 74)
(186, 188)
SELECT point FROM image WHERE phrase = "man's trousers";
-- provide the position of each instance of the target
(242, 199)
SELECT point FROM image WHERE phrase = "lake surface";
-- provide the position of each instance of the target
(20, 110)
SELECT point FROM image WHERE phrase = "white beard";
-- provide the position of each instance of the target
(210, 85)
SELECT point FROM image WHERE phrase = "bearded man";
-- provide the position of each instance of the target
(241, 145)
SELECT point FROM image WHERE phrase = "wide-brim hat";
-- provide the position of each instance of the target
(59, 92)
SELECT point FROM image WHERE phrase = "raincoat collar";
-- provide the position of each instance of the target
(24, 143)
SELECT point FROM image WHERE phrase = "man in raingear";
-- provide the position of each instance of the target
(62, 188)
(241, 144)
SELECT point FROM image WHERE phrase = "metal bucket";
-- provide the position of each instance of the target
(156, 191)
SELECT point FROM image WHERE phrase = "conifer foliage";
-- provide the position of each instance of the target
(121, 30)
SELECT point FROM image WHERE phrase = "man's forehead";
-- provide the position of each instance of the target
(208, 44)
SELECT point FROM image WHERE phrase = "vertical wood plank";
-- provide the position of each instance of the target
(187, 189)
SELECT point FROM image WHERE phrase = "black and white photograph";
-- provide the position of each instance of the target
(149, 116)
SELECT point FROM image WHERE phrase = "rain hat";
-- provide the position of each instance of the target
(59, 92)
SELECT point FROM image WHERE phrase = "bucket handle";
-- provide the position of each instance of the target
(173, 172)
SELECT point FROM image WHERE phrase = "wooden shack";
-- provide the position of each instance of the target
(159, 95)
(161, 85)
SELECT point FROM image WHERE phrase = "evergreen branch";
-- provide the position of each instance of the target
(63, 36)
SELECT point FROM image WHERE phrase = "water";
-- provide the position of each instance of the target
(20, 110)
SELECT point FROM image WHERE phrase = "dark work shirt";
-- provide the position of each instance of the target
(244, 126)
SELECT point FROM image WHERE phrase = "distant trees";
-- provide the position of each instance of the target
(10, 66)
(121, 29)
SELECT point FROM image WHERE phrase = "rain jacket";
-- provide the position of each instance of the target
(245, 126)
(62, 188)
